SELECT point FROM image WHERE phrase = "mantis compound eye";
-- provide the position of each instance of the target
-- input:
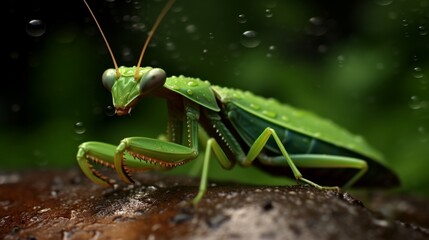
(153, 79)
(109, 78)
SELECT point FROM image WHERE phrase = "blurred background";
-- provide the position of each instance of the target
(363, 64)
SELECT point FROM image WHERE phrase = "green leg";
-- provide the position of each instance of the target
(259, 144)
(223, 159)
(328, 161)
(139, 153)
(103, 153)
(152, 152)
(88, 153)
(321, 161)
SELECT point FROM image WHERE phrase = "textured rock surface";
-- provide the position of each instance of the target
(66, 205)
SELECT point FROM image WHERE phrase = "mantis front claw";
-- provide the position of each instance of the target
(119, 160)
(84, 157)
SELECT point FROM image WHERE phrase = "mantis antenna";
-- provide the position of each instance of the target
(150, 34)
(105, 40)
(149, 37)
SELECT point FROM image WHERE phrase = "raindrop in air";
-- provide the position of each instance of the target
(170, 46)
(271, 49)
(250, 39)
(423, 134)
(423, 31)
(268, 13)
(191, 28)
(79, 128)
(322, 48)
(15, 107)
(242, 18)
(35, 28)
(109, 111)
(384, 2)
(341, 59)
(138, 26)
(421, 130)
(417, 72)
(317, 27)
(316, 20)
(416, 103)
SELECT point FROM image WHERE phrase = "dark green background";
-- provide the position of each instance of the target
(363, 64)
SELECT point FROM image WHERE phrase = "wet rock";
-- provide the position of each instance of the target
(65, 205)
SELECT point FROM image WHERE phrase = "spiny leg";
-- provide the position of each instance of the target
(163, 153)
(88, 153)
(150, 151)
(101, 153)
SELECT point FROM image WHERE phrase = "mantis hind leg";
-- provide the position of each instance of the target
(322, 161)
(260, 143)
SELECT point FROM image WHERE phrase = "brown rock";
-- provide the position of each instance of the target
(66, 205)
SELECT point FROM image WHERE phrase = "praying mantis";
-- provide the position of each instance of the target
(242, 128)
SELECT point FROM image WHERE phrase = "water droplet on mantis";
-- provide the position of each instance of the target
(175, 87)
(250, 39)
(237, 96)
(35, 28)
(79, 128)
(270, 114)
(189, 91)
(255, 106)
(192, 84)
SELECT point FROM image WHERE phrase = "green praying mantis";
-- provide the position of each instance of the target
(242, 128)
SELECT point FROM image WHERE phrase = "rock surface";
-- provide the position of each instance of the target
(63, 204)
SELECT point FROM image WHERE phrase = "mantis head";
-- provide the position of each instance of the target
(127, 90)
(129, 84)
